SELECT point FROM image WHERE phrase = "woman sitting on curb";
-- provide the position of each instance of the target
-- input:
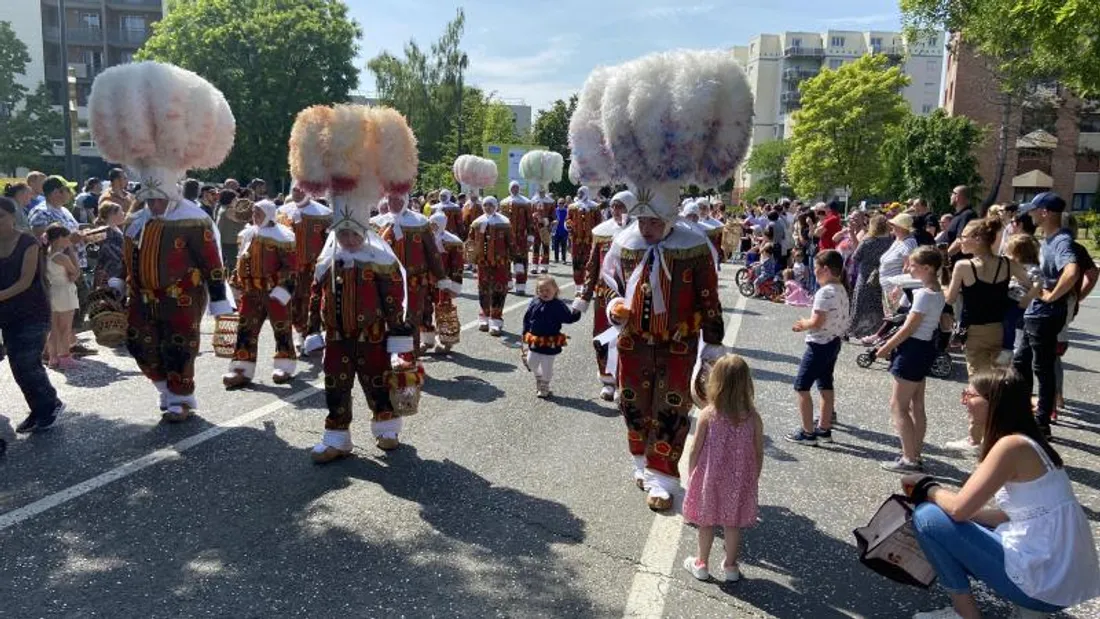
(1036, 550)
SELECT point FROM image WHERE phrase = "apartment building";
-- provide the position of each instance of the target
(1053, 136)
(776, 64)
(99, 34)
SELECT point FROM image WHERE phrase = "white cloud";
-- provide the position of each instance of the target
(862, 20)
(539, 77)
(673, 11)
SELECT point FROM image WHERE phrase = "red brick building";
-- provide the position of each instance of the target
(1053, 137)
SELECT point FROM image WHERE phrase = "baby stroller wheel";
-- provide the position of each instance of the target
(747, 288)
(865, 359)
(741, 276)
(942, 366)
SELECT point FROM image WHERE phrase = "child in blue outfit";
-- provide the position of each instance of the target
(768, 271)
(542, 336)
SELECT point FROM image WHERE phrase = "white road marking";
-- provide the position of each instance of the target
(653, 576)
(15, 516)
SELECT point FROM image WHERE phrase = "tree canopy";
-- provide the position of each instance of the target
(840, 129)
(271, 59)
(551, 130)
(28, 122)
(1029, 39)
(766, 164)
(937, 154)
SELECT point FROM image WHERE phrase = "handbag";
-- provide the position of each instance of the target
(889, 546)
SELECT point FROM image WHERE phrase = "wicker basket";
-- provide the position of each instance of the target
(404, 386)
(447, 327)
(109, 328)
(699, 377)
(225, 335)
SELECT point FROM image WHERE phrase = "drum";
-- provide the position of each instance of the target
(225, 335)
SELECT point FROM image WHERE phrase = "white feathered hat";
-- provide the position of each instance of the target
(159, 120)
(542, 167)
(659, 122)
(475, 172)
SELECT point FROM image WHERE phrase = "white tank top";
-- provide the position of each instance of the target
(1049, 551)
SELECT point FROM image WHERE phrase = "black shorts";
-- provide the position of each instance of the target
(913, 359)
(818, 363)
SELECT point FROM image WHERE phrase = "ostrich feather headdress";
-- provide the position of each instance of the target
(659, 122)
(475, 172)
(160, 121)
(542, 167)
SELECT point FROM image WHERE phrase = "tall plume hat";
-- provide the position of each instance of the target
(355, 153)
(542, 167)
(660, 122)
(159, 121)
(475, 172)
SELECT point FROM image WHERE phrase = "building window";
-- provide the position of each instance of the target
(837, 42)
(796, 42)
(132, 23)
(834, 63)
(88, 20)
(752, 48)
(125, 57)
(926, 108)
(1083, 201)
(932, 66)
(1090, 122)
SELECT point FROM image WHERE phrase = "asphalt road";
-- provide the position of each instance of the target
(497, 504)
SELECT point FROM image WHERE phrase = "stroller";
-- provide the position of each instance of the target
(745, 279)
(942, 366)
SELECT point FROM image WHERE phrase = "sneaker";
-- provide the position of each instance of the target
(943, 613)
(1045, 429)
(699, 572)
(731, 574)
(823, 435)
(802, 437)
(963, 446)
(27, 426)
(46, 424)
(901, 465)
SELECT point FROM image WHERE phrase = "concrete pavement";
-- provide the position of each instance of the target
(499, 504)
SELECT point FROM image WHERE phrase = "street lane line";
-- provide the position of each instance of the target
(653, 575)
(15, 516)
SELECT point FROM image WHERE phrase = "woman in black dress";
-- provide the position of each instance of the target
(867, 309)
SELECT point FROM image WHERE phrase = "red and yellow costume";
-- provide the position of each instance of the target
(310, 223)
(452, 256)
(456, 225)
(412, 241)
(595, 288)
(520, 213)
(582, 216)
(264, 277)
(670, 292)
(543, 212)
(470, 211)
(173, 267)
(494, 252)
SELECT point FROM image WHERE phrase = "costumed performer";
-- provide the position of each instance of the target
(262, 283)
(688, 122)
(494, 251)
(441, 305)
(518, 210)
(582, 216)
(541, 167)
(453, 211)
(310, 221)
(170, 120)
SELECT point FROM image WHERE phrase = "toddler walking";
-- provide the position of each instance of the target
(61, 273)
(542, 334)
(724, 466)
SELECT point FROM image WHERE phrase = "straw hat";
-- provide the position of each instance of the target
(903, 221)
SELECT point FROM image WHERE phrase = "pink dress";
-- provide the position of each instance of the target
(796, 295)
(723, 490)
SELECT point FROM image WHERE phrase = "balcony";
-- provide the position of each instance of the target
(791, 98)
(83, 70)
(806, 52)
(74, 4)
(128, 38)
(797, 74)
(130, 5)
(81, 35)
(893, 51)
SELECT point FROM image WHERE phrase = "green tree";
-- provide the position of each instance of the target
(766, 163)
(271, 59)
(28, 123)
(499, 127)
(551, 130)
(938, 155)
(426, 87)
(1028, 39)
(839, 131)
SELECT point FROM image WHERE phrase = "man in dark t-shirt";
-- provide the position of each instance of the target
(960, 200)
(923, 219)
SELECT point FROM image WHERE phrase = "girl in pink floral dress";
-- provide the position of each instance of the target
(724, 465)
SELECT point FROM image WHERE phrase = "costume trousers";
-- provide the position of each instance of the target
(580, 261)
(346, 359)
(305, 307)
(523, 264)
(256, 307)
(599, 325)
(540, 253)
(654, 399)
(427, 312)
(492, 290)
(163, 337)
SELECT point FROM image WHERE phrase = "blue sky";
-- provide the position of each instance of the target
(541, 51)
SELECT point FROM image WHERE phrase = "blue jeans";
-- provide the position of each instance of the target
(24, 345)
(1034, 359)
(959, 550)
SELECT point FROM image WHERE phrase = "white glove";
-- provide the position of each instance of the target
(579, 305)
(712, 352)
(280, 294)
(117, 284)
(530, 239)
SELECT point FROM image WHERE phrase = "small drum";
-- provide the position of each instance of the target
(404, 385)
(225, 335)
(447, 327)
(470, 248)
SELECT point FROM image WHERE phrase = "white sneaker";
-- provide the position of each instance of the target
(607, 393)
(963, 446)
(731, 575)
(943, 613)
(700, 573)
